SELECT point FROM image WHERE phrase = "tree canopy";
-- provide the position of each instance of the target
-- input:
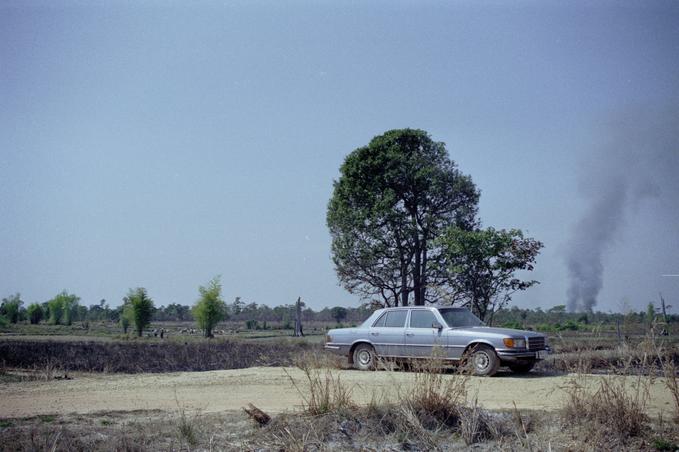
(393, 199)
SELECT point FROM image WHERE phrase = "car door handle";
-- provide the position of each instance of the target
(375, 333)
(410, 334)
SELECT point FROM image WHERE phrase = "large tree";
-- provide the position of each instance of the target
(393, 199)
(482, 264)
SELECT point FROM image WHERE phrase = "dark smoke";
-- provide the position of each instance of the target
(640, 162)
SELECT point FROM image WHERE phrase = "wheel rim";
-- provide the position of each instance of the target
(481, 361)
(364, 357)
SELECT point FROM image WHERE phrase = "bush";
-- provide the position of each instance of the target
(35, 313)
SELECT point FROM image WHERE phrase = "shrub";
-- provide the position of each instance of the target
(142, 308)
(63, 308)
(210, 308)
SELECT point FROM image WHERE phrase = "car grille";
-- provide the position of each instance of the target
(536, 343)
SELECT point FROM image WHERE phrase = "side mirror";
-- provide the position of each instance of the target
(437, 325)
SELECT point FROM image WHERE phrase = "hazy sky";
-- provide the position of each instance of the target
(154, 144)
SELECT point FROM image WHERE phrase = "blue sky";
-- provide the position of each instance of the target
(155, 144)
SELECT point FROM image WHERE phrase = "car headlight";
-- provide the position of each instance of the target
(328, 339)
(511, 342)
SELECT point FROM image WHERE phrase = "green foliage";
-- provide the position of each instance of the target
(481, 264)
(251, 324)
(338, 313)
(394, 197)
(126, 316)
(63, 308)
(142, 308)
(663, 444)
(210, 309)
(650, 314)
(11, 308)
(516, 325)
(35, 313)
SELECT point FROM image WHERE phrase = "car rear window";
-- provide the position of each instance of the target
(392, 319)
(421, 319)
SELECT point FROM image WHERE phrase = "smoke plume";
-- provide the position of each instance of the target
(640, 161)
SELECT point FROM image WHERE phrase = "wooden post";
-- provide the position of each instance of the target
(298, 318)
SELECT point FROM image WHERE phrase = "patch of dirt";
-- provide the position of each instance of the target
(269, 388)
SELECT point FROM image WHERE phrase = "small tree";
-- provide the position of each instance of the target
(142, 308)
(11, 308)
(210, 309)
(35, 313)
(481, 266)
(650, 314)
(338, 313)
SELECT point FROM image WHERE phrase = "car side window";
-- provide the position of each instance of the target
(380, 322)
(421, 319)
(396, 319)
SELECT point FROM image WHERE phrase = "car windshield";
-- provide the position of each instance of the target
(456, 318)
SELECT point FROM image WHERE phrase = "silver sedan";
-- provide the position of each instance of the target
(416, 332)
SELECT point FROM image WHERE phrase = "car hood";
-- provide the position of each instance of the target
(498, 331)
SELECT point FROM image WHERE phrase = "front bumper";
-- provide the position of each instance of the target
(523, 355)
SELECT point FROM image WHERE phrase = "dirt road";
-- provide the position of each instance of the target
(270, 388)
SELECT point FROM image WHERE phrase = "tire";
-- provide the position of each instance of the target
(521, 367)
(482, 361)
(364, 357)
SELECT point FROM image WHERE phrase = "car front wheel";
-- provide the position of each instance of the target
(483, 361)
(364, 357)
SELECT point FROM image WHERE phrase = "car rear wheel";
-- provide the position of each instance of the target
(521, 367)
(482, 361)
(364, 357)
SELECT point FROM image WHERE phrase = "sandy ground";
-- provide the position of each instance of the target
(269, 388)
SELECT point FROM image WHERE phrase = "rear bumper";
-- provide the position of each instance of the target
(337, 349)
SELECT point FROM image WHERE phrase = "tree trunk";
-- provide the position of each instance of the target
(298, 318)
(417, 274)
(664, 310)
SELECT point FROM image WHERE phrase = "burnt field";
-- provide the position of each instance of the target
(143, 356)
(575, 353)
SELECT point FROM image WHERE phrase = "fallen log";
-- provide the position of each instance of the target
(258, 415)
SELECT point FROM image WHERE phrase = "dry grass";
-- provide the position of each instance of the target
(324, 391)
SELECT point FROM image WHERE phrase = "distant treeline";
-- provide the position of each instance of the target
(65, 308)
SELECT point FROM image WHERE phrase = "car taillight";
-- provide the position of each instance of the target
(328, 338)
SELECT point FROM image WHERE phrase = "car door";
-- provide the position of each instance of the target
(388, 333)
(421, 337)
